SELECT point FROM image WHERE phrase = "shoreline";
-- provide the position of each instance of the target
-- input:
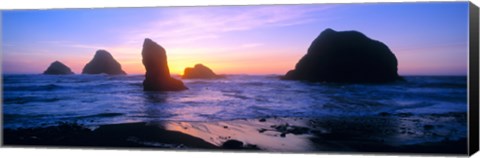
(373, 134)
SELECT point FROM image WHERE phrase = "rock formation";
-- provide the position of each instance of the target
(199, 72)
(157, 77)
(103, 62)
(346, 57)
(58, 68)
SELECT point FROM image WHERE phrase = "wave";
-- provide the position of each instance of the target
(443, 85)
(15, 116)
(237, 96)
(24, 100)
(100, 115)
(253, 83)
(47, 87)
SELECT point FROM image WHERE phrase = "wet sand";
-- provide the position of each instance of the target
(386, 133)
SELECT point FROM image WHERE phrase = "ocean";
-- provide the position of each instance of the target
(42, 100)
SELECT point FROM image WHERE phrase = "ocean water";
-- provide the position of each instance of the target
(39, 100)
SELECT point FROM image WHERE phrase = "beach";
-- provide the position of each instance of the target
(383, 133)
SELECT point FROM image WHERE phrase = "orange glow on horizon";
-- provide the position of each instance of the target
(177, 68)
(233, 63)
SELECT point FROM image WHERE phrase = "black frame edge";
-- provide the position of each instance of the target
(473, 112)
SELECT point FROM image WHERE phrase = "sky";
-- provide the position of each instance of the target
(427, 38)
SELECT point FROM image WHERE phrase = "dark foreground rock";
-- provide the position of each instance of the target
(139, 135)
(103, 62)
(235, 144)
(347, 57)
(157, 76)
(199, 72)
(58, 68)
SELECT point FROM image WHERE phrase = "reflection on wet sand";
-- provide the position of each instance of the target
(261, 134)
(383, 133)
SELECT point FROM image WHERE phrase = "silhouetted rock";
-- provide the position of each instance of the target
(103, 62)
(199, 72)
(58, 68)
(157, 77)
(233, 144)
(349, 57)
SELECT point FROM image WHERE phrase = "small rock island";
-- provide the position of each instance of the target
(199, 71)
(58, 68)
(346, 57)
(103, 62)
(157, 76)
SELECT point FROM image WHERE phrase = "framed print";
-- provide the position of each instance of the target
(394, 78)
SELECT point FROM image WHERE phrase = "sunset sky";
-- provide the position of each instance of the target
(427, 38)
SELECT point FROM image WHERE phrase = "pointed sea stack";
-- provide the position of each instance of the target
(199, 72)
(346, 57)
(103, 62)
(157, 77)
(58, 68)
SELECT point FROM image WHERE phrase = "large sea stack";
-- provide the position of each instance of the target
(103, 62)
(199, 71)
(58, 68)
(157, 77)
(346, 57)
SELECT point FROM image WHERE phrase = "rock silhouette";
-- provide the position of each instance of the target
(199, 71)
(58, 68)
(157, 76)
(346, 57)
(103, 62)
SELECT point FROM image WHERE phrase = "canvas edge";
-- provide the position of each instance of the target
(473, 109)
(1, 77)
